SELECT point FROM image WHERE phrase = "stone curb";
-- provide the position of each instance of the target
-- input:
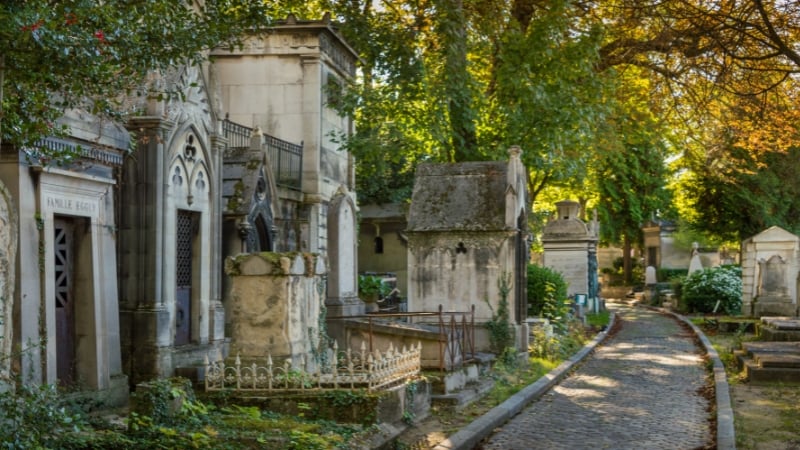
(726, 437)
(468, 437)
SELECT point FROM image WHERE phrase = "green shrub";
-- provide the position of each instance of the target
(499, 327)
(34, 417)
(558, 347)
(557, 310)
(538, 278)
(667, 275)
(703, 289)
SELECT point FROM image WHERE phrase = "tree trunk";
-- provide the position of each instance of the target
(457, 82)
(626, 260)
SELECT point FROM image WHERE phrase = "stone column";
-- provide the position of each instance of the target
(216, 311)
(145, 321)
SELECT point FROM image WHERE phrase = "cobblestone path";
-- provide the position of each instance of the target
(638, 390)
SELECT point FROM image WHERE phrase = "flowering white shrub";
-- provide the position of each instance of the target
(703, 289)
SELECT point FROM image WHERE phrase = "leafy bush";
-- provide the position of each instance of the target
(499, 327)
(666, 275)
(538, 279)
(556, 310)
(34, 417)
(703, 289)
(557, 347)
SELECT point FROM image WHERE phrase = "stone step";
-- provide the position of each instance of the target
(779, 329)
(764, 375)
(457, 401)
(778, 335)
(771, 347)
(767, 360)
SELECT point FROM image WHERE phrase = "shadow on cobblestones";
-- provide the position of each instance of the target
(645, 387)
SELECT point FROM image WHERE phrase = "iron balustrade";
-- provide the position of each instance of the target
(287, 162)
(238, 136)
(90, 152)
(456, 330)
(371, 370)
(285, 157)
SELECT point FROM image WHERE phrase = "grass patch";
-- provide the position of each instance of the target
(600, 319)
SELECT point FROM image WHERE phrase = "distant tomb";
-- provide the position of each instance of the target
(570, 248)
(770, 266)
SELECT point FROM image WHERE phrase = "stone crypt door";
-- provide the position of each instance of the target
(73, 299)
(63, 240)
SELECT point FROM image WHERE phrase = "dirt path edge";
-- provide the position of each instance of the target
(726, 437)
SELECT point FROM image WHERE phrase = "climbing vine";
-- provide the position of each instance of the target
(501, 339)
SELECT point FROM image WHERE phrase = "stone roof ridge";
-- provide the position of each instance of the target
(467, 196)
(246, 176)
(773, 233)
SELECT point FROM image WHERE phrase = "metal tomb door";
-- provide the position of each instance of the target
(186, 230)
(63, 249)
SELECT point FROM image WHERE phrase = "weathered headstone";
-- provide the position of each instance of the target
(770, 268)
(650, 276)
(773, 276)
(342, 286)
(275, 301)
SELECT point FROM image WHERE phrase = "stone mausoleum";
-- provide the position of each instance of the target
(116, 256)
(467, 231)
(65, 316)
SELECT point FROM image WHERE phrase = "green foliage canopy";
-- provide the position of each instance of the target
(91, 54)
(451, 81)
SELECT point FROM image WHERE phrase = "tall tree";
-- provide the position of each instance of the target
(738, 198)
(90, 54)
(706, 53)
(631, 173)
(455, 80)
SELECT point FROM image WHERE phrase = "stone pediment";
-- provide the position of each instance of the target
(568, 226)
(194, 105)
(246, 181)
(774, 234)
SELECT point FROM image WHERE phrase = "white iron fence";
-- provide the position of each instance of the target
(350, 370)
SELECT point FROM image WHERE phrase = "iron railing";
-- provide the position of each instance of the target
(456, 332)
(371, 370)
(238, 136)
(285, 157)
(287, 162)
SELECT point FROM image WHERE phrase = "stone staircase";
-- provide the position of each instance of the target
(457, 389)
(776, 357)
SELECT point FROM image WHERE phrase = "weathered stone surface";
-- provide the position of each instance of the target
(570, 248)
(274, 313)
(8, 255)
(466, 234)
